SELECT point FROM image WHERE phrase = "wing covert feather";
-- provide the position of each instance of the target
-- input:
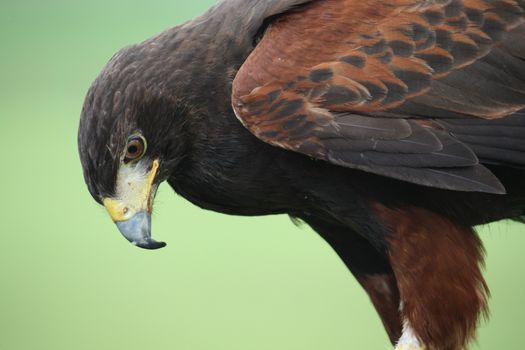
(359, 83)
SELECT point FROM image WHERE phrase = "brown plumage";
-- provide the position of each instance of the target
(423, 248)
(366, 71)
(357, 83)
(392, 128)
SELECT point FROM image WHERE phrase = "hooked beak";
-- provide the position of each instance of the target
(137, 230)
(131, 207)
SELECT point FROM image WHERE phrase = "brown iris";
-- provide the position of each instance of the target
(135, 149)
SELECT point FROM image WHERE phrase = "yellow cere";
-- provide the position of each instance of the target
(115, 209)
(133, 192)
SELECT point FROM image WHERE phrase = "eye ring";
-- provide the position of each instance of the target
(135, 148)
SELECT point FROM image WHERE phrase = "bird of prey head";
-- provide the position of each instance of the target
(144, 112)
(124, 152)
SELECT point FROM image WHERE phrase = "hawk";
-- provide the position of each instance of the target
(392, 128)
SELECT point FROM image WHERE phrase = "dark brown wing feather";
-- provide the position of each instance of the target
(359, 83)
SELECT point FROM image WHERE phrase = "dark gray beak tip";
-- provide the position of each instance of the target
(151, 245)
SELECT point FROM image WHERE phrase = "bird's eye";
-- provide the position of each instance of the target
(135, 148)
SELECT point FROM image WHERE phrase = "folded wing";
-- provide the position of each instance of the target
(367, 85)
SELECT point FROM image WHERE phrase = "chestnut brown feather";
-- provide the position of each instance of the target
(409, 59)
(425, 252)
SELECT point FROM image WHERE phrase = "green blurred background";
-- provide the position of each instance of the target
(70, 281)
